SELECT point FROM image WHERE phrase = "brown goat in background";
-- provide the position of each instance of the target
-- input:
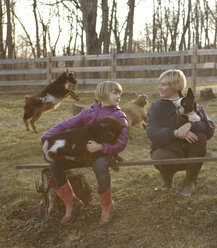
(49, 98)
(135, 111)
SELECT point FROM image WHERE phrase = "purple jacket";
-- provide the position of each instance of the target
(89, 115)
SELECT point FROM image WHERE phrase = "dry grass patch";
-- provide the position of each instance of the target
(144, 217)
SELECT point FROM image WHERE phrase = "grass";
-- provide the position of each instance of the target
(144, 217)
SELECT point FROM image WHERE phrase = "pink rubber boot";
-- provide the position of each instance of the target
(72, 203)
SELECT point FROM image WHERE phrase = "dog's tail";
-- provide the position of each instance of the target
(26, 98)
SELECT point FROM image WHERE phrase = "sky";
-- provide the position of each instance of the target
(26, 15)
(142, 15)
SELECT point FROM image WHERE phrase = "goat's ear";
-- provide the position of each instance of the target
(190, 94)
(180, 94)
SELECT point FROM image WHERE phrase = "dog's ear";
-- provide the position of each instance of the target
(180, 94)
(190, 94)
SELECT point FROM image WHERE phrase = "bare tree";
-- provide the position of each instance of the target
(53, 45)
(28, 38)
(45, 31)
(104, 37)
(89, 13)
(2, 49)
(116, 28)
(128, 37)
(9, 39)
(172, 21)
(186, 26)
(38, 47)
(154, 28)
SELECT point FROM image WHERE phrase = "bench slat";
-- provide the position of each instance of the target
(136, 163)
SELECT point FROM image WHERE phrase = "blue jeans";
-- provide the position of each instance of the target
(100, 168)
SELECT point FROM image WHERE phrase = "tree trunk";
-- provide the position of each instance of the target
(115, 30)
(130, 25)
(50, 202)
(9, 30)
(36, 29)
(186, 27)
(104, 37)
(89, 13)
(2, 50)
(128, 37)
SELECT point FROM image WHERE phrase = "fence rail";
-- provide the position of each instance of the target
(199, 65)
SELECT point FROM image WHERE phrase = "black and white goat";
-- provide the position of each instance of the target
(49, 98)
(186, 110)
(69, 146)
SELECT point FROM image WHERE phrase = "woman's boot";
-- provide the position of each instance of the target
(72, 203)
(107, 207)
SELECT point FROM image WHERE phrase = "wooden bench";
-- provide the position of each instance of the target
(50, 202)
(136, 163)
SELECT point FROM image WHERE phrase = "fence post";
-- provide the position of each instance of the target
(194, 61)
(83, 64)
(49, 67)
(113, 63)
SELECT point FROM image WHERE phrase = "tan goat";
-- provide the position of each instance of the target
(135, 111)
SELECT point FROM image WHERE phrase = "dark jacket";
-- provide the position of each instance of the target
(88, 116)
(161, 124)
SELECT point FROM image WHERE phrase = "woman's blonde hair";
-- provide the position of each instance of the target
(104, 89)
(175, 78)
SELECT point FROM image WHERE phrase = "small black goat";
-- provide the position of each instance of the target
(49, 98)
(69, 146)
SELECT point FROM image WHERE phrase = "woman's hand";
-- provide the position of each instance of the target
(188, 136)
(45, 146)
(182, 131)
(92, 146)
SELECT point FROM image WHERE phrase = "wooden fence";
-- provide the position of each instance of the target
(199, 65)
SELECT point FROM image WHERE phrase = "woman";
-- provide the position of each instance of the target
(189, 140)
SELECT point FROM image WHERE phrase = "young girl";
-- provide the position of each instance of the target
(107, 99)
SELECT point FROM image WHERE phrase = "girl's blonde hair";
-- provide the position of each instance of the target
(104, 89)
(175, 78)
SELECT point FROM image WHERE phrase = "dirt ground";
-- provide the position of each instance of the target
(144, 217)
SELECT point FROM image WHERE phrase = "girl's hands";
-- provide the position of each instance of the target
(45, 146)
(92, 146)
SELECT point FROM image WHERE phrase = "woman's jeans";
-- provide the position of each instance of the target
(100, 168)
(196, 149)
